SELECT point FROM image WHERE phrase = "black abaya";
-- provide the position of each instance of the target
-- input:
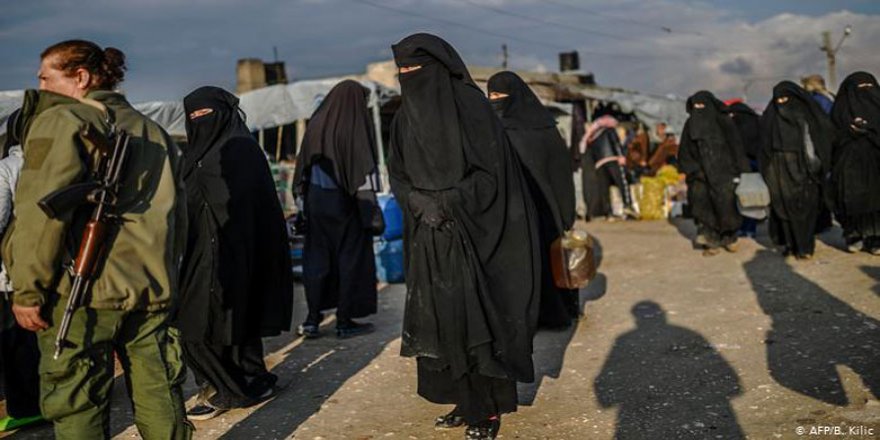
(19, 363)
(547, 166)
(472, 268)
(339, 268)
(236, 281)
(795, 156)
(712, 156)
(855, 175)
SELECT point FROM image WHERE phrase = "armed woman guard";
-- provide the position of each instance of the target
(128, 296)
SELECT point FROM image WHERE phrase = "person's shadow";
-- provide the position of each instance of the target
(668, 382)
(813, 332)
(873, 272)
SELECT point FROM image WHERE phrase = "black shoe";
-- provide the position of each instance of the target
(449, 421)
(351, 329)
(486, 430)
(203, 412)
(309, 331)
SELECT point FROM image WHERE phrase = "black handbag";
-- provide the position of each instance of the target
(370, 212)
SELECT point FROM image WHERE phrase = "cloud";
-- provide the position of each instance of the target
(173, 46)
(737, 66)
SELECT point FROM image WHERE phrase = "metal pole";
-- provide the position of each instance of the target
(380, 147)
(829, 55)
(504, 56)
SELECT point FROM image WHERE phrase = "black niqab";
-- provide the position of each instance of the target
(340, 132)
(706, 123)
(473, 284)
(782, 125)
(213, 130)
(236, 283)
(712, 145)
(533, 135)
(856, 164)
(521, 109)
(858, 97)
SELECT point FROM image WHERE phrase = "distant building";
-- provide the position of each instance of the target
(253, 73)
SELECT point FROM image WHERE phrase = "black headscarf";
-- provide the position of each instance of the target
(340, 133)
(706, 123)
(225, 122)
(521, 109)
(533, 134)
(782, 125)
(448, 146)
(856, 165)
(858, 102)
(711, 146)
(431, 98)
(748, 123)
(236, 283)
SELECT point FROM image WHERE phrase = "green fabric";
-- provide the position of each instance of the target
(34, 250)
(140, 272)
(11, 423)
(75, 389)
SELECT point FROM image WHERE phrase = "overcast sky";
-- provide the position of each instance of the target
(659, 46)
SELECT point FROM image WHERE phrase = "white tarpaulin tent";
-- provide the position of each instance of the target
(649, 109)
(268, 107)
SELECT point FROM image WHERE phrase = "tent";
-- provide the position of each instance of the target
(650, 109)
(267, 107)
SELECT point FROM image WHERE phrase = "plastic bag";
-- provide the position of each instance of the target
(572, 260)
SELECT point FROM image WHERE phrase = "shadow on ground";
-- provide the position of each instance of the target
(813, 332)
(873, 272)
(550, 346)
(310, 373)
(316, 370)
(667, 381)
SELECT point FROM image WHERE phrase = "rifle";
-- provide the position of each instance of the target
(100, 191)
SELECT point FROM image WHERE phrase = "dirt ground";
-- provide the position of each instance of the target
(672, 345)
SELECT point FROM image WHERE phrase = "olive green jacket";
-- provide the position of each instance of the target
(140, 271)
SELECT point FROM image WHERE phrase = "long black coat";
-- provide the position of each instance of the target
(712, 156)
(236, 279)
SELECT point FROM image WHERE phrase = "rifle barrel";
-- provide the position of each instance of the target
(72, 304)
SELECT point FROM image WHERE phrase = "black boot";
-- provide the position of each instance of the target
(449, 421)
(311, 328)
(348, 328)
(485, 430)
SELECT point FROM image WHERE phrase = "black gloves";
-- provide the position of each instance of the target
(427, 210)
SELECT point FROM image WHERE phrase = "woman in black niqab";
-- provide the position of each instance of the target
(855, 174)
(548, 170)
(335, 175)
(795, 156)
(236, 283)
(713, 158)
(472, 268)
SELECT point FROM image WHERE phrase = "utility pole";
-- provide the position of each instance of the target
(831, 54)
(504, 56)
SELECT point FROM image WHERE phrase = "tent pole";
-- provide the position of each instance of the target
(380, 146)
(278, 143)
